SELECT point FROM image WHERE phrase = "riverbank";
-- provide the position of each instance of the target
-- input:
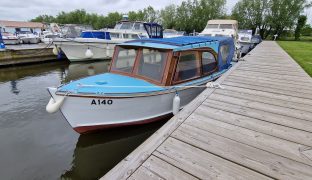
(301, 52)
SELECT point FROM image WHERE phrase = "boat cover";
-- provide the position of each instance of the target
(183, 43)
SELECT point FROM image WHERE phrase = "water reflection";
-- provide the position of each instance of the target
(96, 154)
(83, 69)
(14, 89)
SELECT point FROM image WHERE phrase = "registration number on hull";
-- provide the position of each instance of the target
(101, 102)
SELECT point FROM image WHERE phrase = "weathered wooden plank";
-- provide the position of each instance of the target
(165, 170)
(282, 77)
(293, 90)
(283, 132)
(262, 115)
(128, 165)
(273, 80)
(261, 161)
(269, 95)
(277, 73)
(201, 163)
(264, 107)
(143, 173)
(269, 89)
(267, 100)
(275, 85)
(272, 68)
(287, 149)
(296, 74)
(268, 66)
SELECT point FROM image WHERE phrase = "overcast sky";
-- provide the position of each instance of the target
(26, 10)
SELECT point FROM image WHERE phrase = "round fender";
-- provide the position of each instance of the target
(89, 53)
(53, 105)
(176, 104)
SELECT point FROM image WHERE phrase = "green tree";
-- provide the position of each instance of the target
(253, 14)
(269, 16)
(136, 16)
(300, 24)
(168, 16)
(307, 30)
(194, 15)
(150, 14)
(284, 14)
(112, 19)
(44, 19)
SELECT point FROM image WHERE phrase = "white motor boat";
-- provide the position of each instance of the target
(100, 44)
(10, 39)
(245, 41)
(92, 45)
(223, 28)
(47, 37)
(169, 33)
(28, 37)
(148, 80)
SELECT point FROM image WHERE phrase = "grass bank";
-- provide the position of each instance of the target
(301, 52)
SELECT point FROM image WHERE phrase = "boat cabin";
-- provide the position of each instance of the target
(172, 61)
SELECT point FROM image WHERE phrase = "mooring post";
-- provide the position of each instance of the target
(2, 46)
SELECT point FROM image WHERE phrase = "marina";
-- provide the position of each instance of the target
(140, 90)
(255, 128)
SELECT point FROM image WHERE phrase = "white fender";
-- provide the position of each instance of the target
(55, 102)
(107, 50)
(89, 53)
(176, 104)
(55, 51)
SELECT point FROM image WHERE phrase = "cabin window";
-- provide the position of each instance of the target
(135, 36)
(126, 36)
(114, 35)
(225, 51)
(136, 26)
(209, 63)
(124, 60)
(226, 26)
(212, 26)
(152, 64)
(187, 67)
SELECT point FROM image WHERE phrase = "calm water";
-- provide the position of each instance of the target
(38, 145)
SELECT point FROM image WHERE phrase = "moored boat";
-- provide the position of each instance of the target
(244, 39)
(223, 28)
(99, 44)
(28, 37)
(148, 80)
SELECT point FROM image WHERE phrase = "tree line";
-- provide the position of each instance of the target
(271, 16)
(268, 16)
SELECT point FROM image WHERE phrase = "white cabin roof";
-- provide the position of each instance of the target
(222, 21)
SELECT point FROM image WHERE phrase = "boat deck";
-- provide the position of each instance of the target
(258, 127)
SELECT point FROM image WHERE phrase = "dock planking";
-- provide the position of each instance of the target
(258, 127)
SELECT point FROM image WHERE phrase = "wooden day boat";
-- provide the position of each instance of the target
(148, 80)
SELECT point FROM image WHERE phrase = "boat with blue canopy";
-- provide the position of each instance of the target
(148, 80)
(99, 44)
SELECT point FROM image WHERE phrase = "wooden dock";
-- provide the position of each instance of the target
(26, 54)
(258, 127)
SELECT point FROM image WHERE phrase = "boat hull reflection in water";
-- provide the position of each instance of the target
(96, 154)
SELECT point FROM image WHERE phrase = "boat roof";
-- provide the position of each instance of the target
(222, 21)
(179, 43)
